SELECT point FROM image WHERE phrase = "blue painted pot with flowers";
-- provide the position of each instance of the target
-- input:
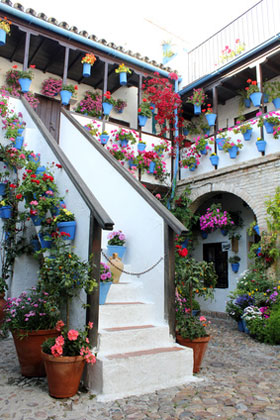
(116, 241)
(145, 111)
(122, 70)
(106, 279)
(65, 222)
(87, 61)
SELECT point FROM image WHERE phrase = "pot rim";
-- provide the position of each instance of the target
(34, 332)
(62, 359)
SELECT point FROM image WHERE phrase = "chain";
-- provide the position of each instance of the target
(127, 272)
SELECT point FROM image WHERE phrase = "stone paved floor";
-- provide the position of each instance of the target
(241, 381)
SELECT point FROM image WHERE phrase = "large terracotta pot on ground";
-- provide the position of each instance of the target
(64, 374)
(28, 347)
(199, 346)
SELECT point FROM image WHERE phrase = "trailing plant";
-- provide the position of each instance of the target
(51, 87)
(120, 105)
(91, 104)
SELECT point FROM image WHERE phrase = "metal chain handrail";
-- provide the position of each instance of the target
(133, 274)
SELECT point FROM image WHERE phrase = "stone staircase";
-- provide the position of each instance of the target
(136, 355)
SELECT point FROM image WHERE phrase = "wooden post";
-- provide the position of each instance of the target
(105, 88)
(169, 279)
(26, 51)
(260, 84)
(215, 109)
(139, 99)
(65, 70)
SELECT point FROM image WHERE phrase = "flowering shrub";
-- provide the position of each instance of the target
(70, 343)
(120, 105)
(251, 312)
(252, 88)
(89, 58)
(116, 238)
(107, 98)
(51, 87)
(105, 273)
(90, 105)
(64, 216)
(198, 97)
(215, 218)
(145, 109)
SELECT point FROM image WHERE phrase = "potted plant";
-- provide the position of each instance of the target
(245, 129)
(261, 144)
(24, 78)
(201, 145)
(104, 137)
(106, 280)
(198, 98)
(124, 137)
(122, 70)
(215, 218)
(120, 105)
(31, 318)
(145, 111)
(87, 61)
(271, 121)
(214, 159)
(66, 93)
(191, 161)
(108, 103)
(91, 105)
(160, 148)
(51, 87)
(64, 358)
(234, 261)
(116, 243)
(253, 92)
(4, 179)
(91, 129)
(4, 30)
(272, 89)
(210, 116)
(65, 222)
(232, 147)
(141, 146)
(5, 209)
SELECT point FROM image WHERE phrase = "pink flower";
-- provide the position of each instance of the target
(56, 350)
(59, 341)
(60, 324)
(202, 318)
(72, 335)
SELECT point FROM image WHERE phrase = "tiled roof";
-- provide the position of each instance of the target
(85, 34)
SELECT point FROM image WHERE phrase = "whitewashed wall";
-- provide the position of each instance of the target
(143, 227)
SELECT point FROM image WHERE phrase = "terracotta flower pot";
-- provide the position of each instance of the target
(2, 306)
(28, 347)
(64, 374)
(199, 346)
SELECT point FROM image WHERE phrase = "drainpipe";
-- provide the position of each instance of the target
(78, 38)
(176, 88)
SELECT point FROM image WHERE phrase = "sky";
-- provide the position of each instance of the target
(142, 26)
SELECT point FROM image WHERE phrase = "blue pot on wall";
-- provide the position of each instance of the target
(197, 109)
(40, 170)
(220, 142)
(256, 98)
(257, 230)
(214, 160)
(35, 159)
(261, 144)
(24, 84)
(18, 142)
(86, 69)
(2, 188)
(152, 167)
(248, 134)
(107, 108)
(120, 250)
(104, 288)
(20, 131)
(68, 227)
(268, 127)
(3, 36)
(124, 143)
(185, 131)
(211, 119)
(224, 232)
(235, 267)
(65, 96)
(142, 119)
(240, 325)
(204, 151)
(247, 103)
(6, 212)
(36, 220)
(192, 167)
(265, 98)
(104, 138)
(123, 78)
(141, 147)
(233, 152)
(276, 103)
(44, 243)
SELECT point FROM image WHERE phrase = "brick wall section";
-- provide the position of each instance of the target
(254, 182)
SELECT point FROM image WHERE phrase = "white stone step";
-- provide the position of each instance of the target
(135, 373)
(125, 292)
(128, 339)
(125, 314)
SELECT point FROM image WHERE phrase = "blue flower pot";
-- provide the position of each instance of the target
(35, 245)
(142, 119)
(107, 108)
(248, 134)
(268, 127)
(24, 84)
(104, 138)
(36, 220)
(185, 243)
(123, 78)
(197, 109)
(20, 131)
(65, 96)
(185, 131)
(211, 119)
(40, 170)
(214, 160)
(235, 267)
(2, 188)
(247, 103)
(124, 143)
(240, 325)
(18, 142)
(233, 152)
(261, 144)
(195, 312)
(220, 143)
(44, 243)
(257, 230)
(68, 227)
(86, 70)
(256, 98)
(245, 328)
(56, 209)
(152, 167)
(192, 167)
(276, 103)
(154, 107)
(120, 250)
(141, 147)
(224, 232)
(6, 212)
(204, 234)
(204, 151)
(265, 98)
(206, 131)
(104, 288)
(3, 35)
(34, 159)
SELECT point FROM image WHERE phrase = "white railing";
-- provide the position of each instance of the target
(257, 25)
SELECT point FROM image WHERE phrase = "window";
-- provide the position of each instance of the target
(213, 253)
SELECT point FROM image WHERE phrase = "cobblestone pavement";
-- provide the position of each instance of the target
(241, 381)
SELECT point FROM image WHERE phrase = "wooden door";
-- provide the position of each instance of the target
(49, 112)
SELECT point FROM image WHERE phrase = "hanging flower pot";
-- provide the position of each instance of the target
(248, 134)
(141, 147)
(192, 167)
(276, 103)
(265, 98)
(44, 243)
(257, 229)
(204, 151)
(197, 109)
(233, 152)
(224, 232)
(104, 138)
(37, 221)
(247, 103)
(123, 78)
(40, 170)
(18, 142)
(107, 108)
(24, 84)
(220, 142)
(3, 36)
(256, 98)
(124, 143)
(185, 131)
(268, 127)
(104, 288)
(65, 96)
(261, 144)
(6, 212)
(20, 131)
(214, 160)
(68, 227)
(152, 167)
(112, 249)
(2, 188)
(211, 119)
(235, 267)
(86, 70)
(142, 119)
(35, 158)
(204, 234)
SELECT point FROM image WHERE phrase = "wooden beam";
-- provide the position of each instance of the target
(26, 51)
(36, 50)
(66, 61)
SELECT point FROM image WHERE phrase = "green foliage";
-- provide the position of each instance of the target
(266, 330)
(234, 259)
(180, 207)
(233, 310)
(145, 109)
